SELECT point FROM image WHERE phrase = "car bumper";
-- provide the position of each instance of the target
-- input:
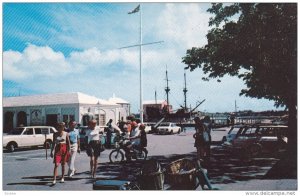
(162, 131)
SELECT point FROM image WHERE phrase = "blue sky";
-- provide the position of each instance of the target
(74, 47)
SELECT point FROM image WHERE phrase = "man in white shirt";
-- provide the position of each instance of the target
(134, 138)
(135, 135)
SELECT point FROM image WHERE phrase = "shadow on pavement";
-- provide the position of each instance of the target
(223, 168)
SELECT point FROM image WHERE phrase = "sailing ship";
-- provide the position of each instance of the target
(184, 113)
(167, 114)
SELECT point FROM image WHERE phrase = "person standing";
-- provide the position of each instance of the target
(74, 146)
(109, 131)
(61, 145)
(143, 137)
(208, 127)
(93, 147)
(199, 138)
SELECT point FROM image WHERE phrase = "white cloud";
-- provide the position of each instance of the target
(34, 61)
(185, 24)
(44, 61)
(10, 58)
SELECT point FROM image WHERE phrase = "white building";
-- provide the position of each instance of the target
(124, 104)
(49, 109)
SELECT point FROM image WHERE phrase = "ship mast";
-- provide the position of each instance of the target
(185, 91)
(155, 97)
(167, 89)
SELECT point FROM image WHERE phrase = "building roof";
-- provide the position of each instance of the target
(154, 102)
(117, 100)
(53, 99)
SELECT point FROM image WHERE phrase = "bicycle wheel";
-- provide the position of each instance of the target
(142, 155)
(116, 156)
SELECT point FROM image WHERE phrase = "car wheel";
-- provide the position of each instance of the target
(179, 130)
(171, 132)
(11, 147)
(142, 155)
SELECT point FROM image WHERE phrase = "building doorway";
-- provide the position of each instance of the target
(22, 119)
(51, 120)
(8, 122)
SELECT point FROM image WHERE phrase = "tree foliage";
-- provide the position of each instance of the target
(256, 42)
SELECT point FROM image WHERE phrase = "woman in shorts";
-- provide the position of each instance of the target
(93, 147)
(61, 145)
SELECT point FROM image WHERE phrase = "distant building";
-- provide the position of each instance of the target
(154, 110)
(123, 104)
(48, 109)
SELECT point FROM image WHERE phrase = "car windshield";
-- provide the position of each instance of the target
(16, 131)
(236, 130)
(249, 131)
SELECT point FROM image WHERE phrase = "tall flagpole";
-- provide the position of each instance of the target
(139, 9)
(141, 79)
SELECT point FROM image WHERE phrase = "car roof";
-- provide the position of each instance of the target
(36, 127)
(275, 126)
(240, 125)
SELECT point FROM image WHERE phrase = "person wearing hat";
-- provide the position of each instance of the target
(61, 145)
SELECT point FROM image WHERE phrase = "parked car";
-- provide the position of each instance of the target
(28, 136)
(168, 128)
(253, 140)
(232, 133)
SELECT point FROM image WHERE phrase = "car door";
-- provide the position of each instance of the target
(39, 137)
(27, 137)
(171, 127)
(245, 137)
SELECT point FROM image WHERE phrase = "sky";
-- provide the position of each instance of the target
(75, 47)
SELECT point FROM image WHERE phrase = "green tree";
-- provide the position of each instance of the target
(256, 42)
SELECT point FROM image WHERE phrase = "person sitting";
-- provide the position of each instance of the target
(134, 138)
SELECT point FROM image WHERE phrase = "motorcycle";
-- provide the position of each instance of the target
(118, 154)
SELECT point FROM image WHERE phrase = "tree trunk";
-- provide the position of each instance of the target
(286, 167)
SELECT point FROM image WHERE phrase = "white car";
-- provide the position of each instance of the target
(28, 136)
(168, 128)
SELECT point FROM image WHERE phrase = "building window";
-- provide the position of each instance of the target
(102, 120)
(97, 118)
(67, 118)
